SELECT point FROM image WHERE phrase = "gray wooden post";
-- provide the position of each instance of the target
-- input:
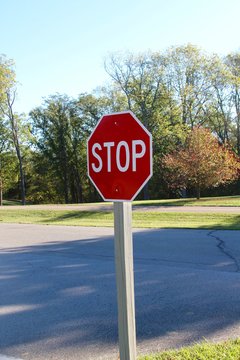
(125, 279)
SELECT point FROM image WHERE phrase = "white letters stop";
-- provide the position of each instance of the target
(138, 149)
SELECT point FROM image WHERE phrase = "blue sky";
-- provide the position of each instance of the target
(60, 46)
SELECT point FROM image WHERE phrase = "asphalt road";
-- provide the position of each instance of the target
(58, 292)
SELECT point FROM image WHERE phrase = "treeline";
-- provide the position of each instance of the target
(43, 155)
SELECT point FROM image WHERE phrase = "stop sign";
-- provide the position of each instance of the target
(119, 156)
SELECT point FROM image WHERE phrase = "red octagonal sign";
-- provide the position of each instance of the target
(119, 156)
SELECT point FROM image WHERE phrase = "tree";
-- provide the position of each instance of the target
(91, 107)
(3, 146)
(186, 68)
(218, 115)
(7, 98)
(8, 161)
(43, 186)
(60, 137)
(8, 172)
(233, 63)
(201, 163)
(140, 79)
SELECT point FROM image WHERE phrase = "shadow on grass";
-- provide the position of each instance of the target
(140, 219)
(157, 220)
(233, 224)
(214, 201)
(150, 220)
(176, 202)
(78, 217)
(11, 202)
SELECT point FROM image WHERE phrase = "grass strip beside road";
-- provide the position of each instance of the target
(228, 350)
(140, 219)
(205, 201)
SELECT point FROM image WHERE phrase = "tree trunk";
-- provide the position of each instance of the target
(15, 135)
(22, 177)
(238, 134)
(79, 190)
(146, 192)
(198, 193)
(65, 186)
(1, 192)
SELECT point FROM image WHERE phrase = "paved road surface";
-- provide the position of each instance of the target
(58, 293)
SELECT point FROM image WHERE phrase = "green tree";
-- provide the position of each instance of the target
(90, 108)
(7, 114)
(233, 63)
(141, 80)
(8, 172)
(8, 166)
(186, 69)
(3, 146)
(219, 112)
(60, 137)
(43, 185)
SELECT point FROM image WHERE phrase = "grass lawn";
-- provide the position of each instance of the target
(11, 202)
(228, 350)
(140, 219)
(207, 201)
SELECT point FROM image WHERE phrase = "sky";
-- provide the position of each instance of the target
(59, 46)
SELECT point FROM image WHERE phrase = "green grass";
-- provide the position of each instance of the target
(140, 219)
(228, 350)
(207, 201)
(11, 202)
(56, 217)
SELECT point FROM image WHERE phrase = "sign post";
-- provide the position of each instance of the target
(125, 280)
(119, 155)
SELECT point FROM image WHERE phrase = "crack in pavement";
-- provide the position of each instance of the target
(222, 247)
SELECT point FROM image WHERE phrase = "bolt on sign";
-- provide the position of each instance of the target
(119, 155)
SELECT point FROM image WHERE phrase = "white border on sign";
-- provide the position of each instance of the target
(151, 171)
